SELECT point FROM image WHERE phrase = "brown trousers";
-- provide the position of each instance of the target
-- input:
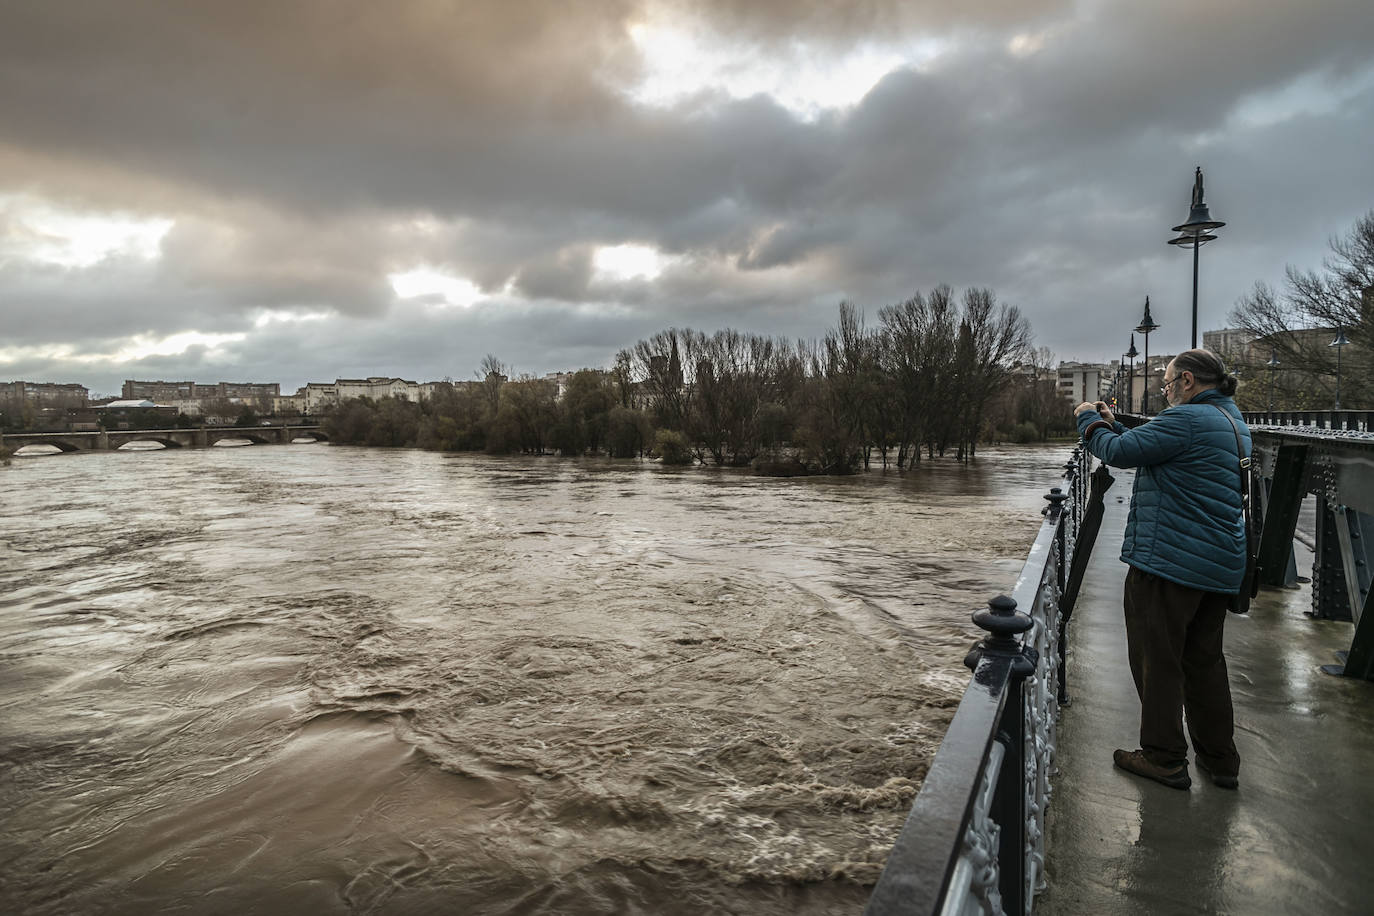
(1173, 637)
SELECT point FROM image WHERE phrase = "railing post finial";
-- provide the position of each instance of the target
(1003, 623)
(1055, 498)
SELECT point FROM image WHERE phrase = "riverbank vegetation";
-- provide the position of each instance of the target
(935, 375)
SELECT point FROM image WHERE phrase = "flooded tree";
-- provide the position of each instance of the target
(992, 338)
(923, 378)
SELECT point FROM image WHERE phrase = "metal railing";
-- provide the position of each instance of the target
(1352, 420)
(974, 840)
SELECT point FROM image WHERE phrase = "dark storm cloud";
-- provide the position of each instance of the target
(307, 150)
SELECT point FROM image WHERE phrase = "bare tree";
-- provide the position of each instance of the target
(1296, 326)
(998, 336)
(920, 338)
(657, 364)
(493, 375)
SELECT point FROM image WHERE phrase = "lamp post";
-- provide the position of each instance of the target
(1131, 354)
(1274, 364)
(1147, 324)
(1339, 342)
(1194, 234)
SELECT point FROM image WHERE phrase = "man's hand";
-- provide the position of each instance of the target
(1106, 412)
(1084, 406)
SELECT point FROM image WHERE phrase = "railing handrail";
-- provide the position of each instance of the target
(973, 841)
(922, 862)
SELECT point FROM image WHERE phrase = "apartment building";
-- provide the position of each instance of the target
(47, 393)
(164, 392)
(1079, 382)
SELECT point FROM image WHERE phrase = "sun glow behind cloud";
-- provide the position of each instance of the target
(682, 60)
(43, 232)
(427, 282)
(629, 262)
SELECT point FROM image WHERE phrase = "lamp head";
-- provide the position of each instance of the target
(1200, 221)
(1193, 241)
(1147, 324)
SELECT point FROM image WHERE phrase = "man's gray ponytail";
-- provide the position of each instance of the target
(1208, 369)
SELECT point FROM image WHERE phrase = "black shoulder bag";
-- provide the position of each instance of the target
(1249, 586)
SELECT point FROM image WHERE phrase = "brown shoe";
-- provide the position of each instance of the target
(1136, 762)
(1218, 779)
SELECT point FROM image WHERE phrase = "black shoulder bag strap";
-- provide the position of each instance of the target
(1249, 587)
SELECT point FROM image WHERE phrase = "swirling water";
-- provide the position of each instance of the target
(330, 680)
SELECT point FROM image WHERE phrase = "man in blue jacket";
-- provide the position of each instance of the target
(1185, 545)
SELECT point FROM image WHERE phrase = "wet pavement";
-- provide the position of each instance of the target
(1294, 839)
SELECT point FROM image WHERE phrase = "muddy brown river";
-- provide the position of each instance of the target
(309, 679)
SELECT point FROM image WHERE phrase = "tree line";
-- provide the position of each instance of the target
(933, 376)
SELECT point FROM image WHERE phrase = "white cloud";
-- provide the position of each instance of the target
(278, 316)
(46, 233)
(142, 346)
(1314, 94)
(436, 284)
(682, 59)
(629, 262)
(131, 349)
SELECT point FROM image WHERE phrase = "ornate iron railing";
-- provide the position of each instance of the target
(1351, 420)
(974, 840)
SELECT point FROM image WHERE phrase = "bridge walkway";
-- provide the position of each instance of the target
(1294, 839)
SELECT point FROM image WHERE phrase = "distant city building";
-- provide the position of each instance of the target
(68, 395)
(158, 391)
(1127, 383)
(126, 403)
(165, 392)
(315, 396)
(1233, 345)
(1153, 380)
(1079, 382)
(560, 379)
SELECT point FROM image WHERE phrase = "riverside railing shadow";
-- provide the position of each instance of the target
(974, 840)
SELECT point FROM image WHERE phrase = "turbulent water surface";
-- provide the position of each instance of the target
(305, 679)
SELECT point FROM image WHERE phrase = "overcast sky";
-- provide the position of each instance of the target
(296, 191)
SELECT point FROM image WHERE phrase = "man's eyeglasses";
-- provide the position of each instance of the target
(1169, 383)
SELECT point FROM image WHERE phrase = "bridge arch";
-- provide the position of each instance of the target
(60, 444)
(119, 443)
(248, 433)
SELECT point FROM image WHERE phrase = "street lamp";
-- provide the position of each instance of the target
(1339, 342)
(1274, 364)
(1131, 354)
(1147, 324)
(1196, 233)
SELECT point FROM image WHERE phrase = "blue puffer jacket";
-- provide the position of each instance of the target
(1185, 523)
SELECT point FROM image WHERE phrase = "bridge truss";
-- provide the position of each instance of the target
(1336, 467)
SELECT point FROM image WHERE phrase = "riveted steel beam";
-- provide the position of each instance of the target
(1285, 467)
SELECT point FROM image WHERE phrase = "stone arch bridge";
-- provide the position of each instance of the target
(204, 437)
